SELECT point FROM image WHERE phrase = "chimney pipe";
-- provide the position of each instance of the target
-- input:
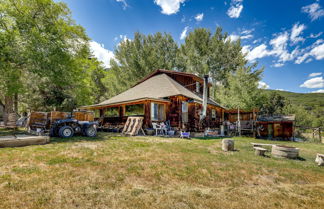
(204, 106)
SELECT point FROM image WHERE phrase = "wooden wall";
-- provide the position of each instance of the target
(280, 130)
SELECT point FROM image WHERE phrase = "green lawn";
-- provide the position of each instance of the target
(150, 172)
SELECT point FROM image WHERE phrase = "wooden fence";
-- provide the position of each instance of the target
(309, 133)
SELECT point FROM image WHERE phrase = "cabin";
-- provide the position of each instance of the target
(275, 127)
(161, 96)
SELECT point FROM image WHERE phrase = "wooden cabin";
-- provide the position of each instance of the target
(163, 95)
(276, 127)
(246, 118)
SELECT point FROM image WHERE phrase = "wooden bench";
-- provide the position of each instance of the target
(260, 145)
(259, 151)
(319, 159)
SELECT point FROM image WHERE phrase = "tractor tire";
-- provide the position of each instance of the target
(90, 131)
(66, 132)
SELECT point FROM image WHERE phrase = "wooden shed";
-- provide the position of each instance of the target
(163, 95)
(275, 127)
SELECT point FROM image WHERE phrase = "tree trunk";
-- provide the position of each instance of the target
(8, 108)
(238, 122)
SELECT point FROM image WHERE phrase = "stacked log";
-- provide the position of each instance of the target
(282, 151)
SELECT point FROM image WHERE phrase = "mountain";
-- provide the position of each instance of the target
(308, 100)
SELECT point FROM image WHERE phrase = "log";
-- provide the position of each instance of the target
(22, 140)
(319, 159)
(282, 151)
(228, 145)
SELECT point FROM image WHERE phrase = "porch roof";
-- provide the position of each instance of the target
(158, 87)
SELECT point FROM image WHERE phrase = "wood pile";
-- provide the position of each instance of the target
(83, 116)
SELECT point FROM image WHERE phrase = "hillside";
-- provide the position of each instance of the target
(308, 100)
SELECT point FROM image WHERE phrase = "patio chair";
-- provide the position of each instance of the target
(158, 129)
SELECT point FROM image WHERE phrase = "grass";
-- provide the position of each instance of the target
(149, 172)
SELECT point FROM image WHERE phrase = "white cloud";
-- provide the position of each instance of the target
(169, 7)
(296, 31)
(184, 33)
(318, 52)
(245, 32)
(263, 85)
(317, 82)
(280, 89)
(248, 36)
(234, 37)
(199, 17)
(318, 91)
(125, 5)
(315, 35)
(102, 54)
(235, 9)
(258, 52)
(314, 11)
(314, 74)
(278, 64)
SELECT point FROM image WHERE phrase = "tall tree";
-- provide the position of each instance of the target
(273, 103)
(44, 55)
(141, 56)
(242, 89)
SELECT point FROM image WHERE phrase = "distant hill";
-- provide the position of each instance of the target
(309, 100)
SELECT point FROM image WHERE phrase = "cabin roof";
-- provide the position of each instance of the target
(172, 72)
(276, 118)
(157, 87)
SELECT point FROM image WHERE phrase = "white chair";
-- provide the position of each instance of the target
(157, 128)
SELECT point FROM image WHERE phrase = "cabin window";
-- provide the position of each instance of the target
(111, 112)
(197, 87)
(97, 113)
(213, 114)
(157, 112)
(137, 109)
(185, 112)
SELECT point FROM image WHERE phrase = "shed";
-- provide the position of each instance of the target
(275, 127)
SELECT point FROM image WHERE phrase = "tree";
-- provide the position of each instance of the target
(141, 56)
(241, 91)
(45, 56)
(272, 104)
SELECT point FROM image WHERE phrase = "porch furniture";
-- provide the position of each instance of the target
(259, 151)
(319, 159)
(261, 145)
(228, 145)
(185, 135)
(159, 129)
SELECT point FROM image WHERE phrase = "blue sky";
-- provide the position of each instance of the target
(286, 37)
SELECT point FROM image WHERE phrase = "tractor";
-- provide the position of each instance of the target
(62, 124)
(68, 127)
